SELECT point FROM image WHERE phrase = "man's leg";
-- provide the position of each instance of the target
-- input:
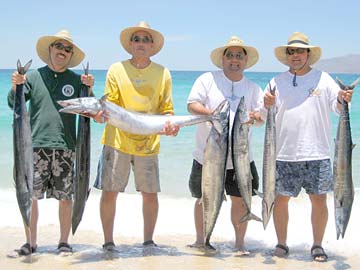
(319, 218)
(150, 214)
(107, 214)
(65, 211)
(237, 212)
(281, 220)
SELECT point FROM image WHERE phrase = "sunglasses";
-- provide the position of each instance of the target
(138, 39)
(291, 51)
(59, 46)
(238, 56)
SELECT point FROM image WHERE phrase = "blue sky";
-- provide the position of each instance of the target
(192, 29)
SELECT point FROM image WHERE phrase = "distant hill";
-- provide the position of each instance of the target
(344, 64)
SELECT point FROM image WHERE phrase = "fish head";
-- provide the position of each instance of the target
(83, 106)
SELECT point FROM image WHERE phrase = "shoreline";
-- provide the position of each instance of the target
(171, 253)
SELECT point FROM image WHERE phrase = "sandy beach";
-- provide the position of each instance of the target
(173, 233)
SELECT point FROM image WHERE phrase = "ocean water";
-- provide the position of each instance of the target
(176, 204)
(176, 152)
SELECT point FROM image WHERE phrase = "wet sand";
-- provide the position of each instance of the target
(172, 253)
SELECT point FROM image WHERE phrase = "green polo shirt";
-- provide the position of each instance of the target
(44, 87)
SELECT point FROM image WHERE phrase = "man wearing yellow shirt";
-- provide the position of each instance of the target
(140, 85)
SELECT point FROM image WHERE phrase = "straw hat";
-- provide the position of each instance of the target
(157, 37)
(298, 40)
(43, 44)
(234, 41)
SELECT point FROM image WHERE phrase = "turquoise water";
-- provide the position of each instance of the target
(176, 153)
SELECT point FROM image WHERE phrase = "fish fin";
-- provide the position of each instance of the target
(104, 97)
(260, 194)
(250, 216)
(353, 85)
(353, 146)
(23, 69)
(340, 83)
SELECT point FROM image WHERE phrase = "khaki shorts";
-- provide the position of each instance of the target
(114, 170)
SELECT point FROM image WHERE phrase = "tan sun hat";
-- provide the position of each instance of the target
(157, 37)
(43, 44)
(298, 40)
(234, 41)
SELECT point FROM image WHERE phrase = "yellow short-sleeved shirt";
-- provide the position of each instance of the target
(145, 90)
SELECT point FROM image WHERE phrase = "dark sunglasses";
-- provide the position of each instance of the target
(59, 46)
(238, 56)
(138, 39)
(291, 51)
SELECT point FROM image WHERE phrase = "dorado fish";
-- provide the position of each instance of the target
(213, 171)
(132, 122)
(23, 151)
(343, 184)
(269, 164)
(82, 163)
(241, 159)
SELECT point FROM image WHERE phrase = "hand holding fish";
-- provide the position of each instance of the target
(170, 130)
(17, 79)
(88, 80)
(345, 95)
(269, 100)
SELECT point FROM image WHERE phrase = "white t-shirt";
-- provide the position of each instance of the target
(210, 89)
(303, 124)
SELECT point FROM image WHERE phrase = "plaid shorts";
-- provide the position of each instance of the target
(53, 173)
(314, 176)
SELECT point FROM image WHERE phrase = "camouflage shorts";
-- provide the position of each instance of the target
(314, 176)
(53, 173)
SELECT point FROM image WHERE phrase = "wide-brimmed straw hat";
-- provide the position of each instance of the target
(43, 44)
(157, 37)
(298, 40)
(234, 41)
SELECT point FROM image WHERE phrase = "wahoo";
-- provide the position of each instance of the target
(241, 159)
(82, 163)
(213, 171)
(269, 164)
(343, 184)
(132, 122)
(23, 151)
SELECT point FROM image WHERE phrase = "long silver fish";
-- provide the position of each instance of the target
(241, 159)
(343, 184)
(132, 122)
(23, 151)
(82, 163)
(269, 164)
(213, 171)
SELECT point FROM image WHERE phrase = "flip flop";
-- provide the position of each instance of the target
(319, 256)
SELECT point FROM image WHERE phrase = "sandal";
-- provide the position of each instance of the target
(24, 250)
(318, 254)
(285, 250)
(149, 243)
(64, 247)
(109, 246)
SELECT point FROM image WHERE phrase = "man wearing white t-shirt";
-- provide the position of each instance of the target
(304, 99)
(208, 91)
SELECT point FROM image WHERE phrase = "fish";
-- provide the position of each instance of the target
(213, 172)
(342, 167)
(82, 163)
(241, 158)
(131, 122)
(23, 151)
(269, 164)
